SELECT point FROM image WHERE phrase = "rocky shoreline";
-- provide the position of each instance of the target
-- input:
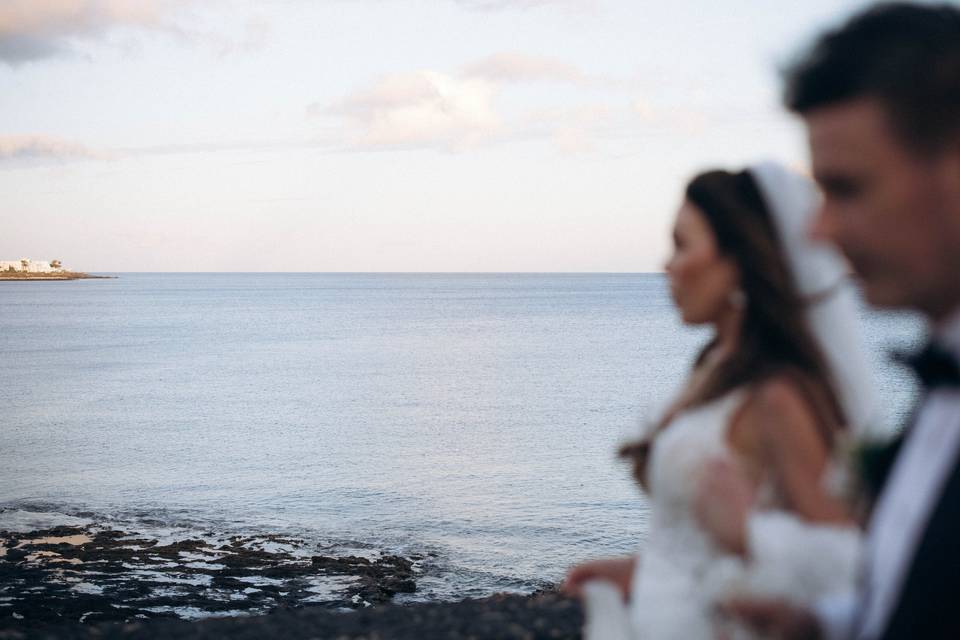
(91, 582)
(508, 617)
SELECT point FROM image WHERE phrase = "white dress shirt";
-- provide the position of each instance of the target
(903, 510)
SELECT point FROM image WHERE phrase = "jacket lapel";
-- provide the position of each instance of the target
(929, 600)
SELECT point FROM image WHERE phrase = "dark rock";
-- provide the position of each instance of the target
(509, 617)
(117, 577)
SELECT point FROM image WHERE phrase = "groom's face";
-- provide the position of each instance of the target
(893, 212)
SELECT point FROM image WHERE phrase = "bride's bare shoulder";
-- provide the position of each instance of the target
(779, 417)
(787, 422)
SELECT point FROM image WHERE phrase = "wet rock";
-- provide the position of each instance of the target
(338, 563)
(113, 576)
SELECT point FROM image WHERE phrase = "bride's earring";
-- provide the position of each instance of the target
(737, 299)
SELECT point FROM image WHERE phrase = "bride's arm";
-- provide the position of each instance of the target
(808, 544)
(789, 557)
(776, 436)
(791, 451)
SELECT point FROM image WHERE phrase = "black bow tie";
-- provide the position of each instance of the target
(934, 366)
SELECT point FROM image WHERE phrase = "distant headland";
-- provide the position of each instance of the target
(27, 269)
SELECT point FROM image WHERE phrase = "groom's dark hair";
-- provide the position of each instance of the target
(905, 55)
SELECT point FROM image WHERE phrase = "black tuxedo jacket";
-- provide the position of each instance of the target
(928, 605)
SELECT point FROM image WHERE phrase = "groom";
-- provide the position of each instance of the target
(880, 98)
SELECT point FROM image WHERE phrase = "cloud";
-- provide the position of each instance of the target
(453, 111)
(13, 147)
(33, 30)
(15, 49)
(501, 5)
(420, 109)
(65, 16)
(578, 129)
(677, 118)
(519, 67)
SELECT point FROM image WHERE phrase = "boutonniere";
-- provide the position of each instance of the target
(872, 460)
(859, 469)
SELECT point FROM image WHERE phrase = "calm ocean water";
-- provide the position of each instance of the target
(472, 417)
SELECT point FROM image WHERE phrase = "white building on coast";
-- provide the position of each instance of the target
(27, 265)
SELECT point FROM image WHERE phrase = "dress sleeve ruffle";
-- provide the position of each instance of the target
(801, 561)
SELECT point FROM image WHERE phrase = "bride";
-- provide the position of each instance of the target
(775, 390)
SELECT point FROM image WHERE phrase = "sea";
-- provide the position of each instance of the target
(469, 418)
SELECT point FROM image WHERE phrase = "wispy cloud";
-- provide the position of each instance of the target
(455, 111)
(677, 118)
(501, 5)
(13, 147)
(32, 30)
(519, 67)
(577, 130)
(421, 108)
(41, 150)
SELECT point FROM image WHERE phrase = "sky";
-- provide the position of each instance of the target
(380, 135)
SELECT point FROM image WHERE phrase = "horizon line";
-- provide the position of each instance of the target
(397, 272)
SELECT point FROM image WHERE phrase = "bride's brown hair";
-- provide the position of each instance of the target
(774, 338)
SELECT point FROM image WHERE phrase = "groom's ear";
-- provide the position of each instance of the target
(948, 186)
(948, 176)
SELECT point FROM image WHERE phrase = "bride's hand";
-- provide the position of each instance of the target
(618, 571)
(775, 619)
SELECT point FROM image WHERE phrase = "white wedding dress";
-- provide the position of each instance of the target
(680, 571)
(681, 575)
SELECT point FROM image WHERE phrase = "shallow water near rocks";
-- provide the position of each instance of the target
(470, 419)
